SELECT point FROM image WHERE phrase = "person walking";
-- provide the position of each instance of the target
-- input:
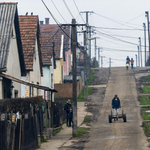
(127, 66)
(116, 105)
(128, 60)
(67, 109)
(132, 62)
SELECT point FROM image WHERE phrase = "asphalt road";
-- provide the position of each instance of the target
(119, 135)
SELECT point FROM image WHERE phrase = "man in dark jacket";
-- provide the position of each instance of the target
(116, 105)
(128, 60)
(70, 117)
(67, 109)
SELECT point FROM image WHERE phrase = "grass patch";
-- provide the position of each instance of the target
(81, 95)
(81, 131)
(148, 78)
(145, 116)
(148, 140)
(65, 121)
(44, 140)
(87, 120)
(146, 128)
(145, 100)
(91, 77)
(146, 89)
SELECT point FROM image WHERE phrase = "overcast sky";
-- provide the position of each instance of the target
(118, 14)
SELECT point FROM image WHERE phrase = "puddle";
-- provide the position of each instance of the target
(116, 137)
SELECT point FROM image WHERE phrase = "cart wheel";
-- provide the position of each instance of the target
(110, 119)
(124, 118)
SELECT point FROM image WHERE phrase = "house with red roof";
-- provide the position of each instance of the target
(56, 43)
(30, 34)
(12, 63)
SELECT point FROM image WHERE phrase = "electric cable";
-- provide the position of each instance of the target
(58, 11)
(118, 28)
(68, 8)
(112, 37)
(78, 11)
(112, 20)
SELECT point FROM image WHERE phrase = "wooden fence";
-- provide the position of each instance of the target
(26, 133)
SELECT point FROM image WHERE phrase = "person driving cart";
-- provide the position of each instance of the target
(116, 105)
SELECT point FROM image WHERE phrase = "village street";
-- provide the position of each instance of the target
(118, 135)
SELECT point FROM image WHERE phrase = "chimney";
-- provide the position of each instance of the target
(41, 22)
(46, 20)
(31, 13)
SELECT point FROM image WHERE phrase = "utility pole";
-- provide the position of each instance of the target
(136, 59)
(147, 15)
(85, 68)
(138, 55)
(89, 42)
(109, 62)
(74, 43)
(102, 61)
(99, 56)
(145, 40)
(140, 50)
(88, 29)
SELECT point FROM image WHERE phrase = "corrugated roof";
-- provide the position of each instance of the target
(52, 33)
(7, 15)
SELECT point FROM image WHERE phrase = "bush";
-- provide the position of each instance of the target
(20, 104)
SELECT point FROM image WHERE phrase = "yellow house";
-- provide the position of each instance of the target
(59, 71)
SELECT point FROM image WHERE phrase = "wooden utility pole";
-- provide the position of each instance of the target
(74, 43)
(85, 75)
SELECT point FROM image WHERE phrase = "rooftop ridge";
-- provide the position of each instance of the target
(8, 2)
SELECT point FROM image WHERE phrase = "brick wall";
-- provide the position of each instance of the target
(65, 90)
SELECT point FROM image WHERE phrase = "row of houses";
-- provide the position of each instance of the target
(33, 56)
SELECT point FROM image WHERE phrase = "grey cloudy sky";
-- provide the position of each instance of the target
(124, 14)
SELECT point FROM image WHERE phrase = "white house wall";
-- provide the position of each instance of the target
(13, 64)
(33, 76)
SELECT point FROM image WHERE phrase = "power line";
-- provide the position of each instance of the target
(112, 20)
(78, 10)
(120, 50)
(58, 11)
(68, 8)
(118, 28)
(112, 37)
(54, 18)
(56, 21)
